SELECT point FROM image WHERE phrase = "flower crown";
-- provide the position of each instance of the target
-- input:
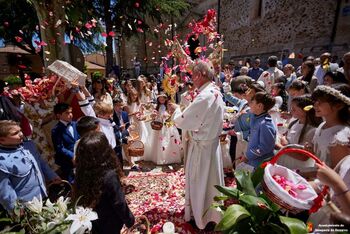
(336, 93)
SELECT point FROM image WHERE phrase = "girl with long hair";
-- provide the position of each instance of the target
(300, 131)
(100, 91)
(332, 104)
(135, 111)
(97, 184)
(297, 88)
(279, 92)
(143, 92)
(307, 74)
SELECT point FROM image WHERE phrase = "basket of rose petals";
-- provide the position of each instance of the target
(287, 188)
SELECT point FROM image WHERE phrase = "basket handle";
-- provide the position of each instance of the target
(319, 199)
(128, 230)
(291, 150)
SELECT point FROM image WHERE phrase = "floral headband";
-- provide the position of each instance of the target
(336, 93)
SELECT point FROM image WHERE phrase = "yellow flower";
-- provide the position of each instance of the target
(309, 107)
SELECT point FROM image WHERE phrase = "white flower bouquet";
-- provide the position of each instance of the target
(41, 217)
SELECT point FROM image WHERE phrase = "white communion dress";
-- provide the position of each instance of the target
(166, 143)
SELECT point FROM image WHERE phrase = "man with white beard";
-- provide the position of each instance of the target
(203, 120)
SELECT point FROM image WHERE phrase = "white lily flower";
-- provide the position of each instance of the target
(49, 204)
(82, 220)
(62, 204)
(51, 225)
(36, 205)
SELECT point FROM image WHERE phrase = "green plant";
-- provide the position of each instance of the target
(253, 212)
(96, 75)
(13, 80)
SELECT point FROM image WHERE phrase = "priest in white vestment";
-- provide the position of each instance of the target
(203, 119)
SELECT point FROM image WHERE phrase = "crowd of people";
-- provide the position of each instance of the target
(96, 126)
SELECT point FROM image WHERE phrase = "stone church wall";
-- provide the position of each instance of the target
(261, 28)
(264, 27)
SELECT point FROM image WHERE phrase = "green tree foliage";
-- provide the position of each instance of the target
(53, 20)
(18, 23)
(127, 17)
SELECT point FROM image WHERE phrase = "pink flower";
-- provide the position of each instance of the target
(18, 39)
(88, 25)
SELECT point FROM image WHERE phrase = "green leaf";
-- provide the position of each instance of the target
(221, 198)
(216, 206)
(257, 206)
(295, 226)
(5, 220)
(17, 211)
(273, 205)
(76, 204)
(254, 201)
(232, 215)
(228, 191)
(258, 176)
(273, 228)
(243, 226)
(244, 182)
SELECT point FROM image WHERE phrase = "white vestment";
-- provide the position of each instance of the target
(203, 119)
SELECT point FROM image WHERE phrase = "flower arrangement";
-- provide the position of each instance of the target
(252, 212)
(37, 90)
(13, 80)
(61, 216)
(170, 85)
(206, 28)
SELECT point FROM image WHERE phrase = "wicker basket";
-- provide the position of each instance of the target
(142, 225)
(136, 149)
(156, 125)
(63, 189)
(281, 197)
(134, 135)
(223, 138)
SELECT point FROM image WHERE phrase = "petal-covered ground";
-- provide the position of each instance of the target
(160, 196)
